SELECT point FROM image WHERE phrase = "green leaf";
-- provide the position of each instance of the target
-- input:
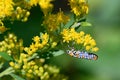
(68, 24)
(75, 25)
(16, 77)
(6, 56)
(86, 24)
(57, 53)
(1, 65)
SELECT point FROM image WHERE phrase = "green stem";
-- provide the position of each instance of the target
(7, 71)
(32, 57)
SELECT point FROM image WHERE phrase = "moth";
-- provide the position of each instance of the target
(82, 54)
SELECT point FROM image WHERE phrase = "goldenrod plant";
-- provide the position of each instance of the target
(19, 62)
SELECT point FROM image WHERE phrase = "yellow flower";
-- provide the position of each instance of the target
(41, 69)
(35, 67)
(66, 36)
(29, 75)
(85, 9)
(37, 72)
(61, 18)
(24, 66)
(17, 66)
(30, 71)
(12, 64)
(81, 33)
(45, 5)
(53, 21)
(21, 14)
(33, 2)
(36, 39)
(82, 1)
(45, 37)
(92, 42)
(54, 44)
(6, 8)
(79, 7)
(73, 33)
(95, 49)
(33, 48)
(39, 43)
(88, 48)
(79, 41)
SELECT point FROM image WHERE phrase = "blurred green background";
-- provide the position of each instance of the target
(105, 18)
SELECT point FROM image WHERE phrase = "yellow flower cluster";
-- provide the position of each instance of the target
(79, 7)
(35, 69)
(53, 21)
(39, 43)
(33, 2)
(80, 38)
(20, 14)
(11, 45)
(46, 6)
(6, 8)
(31, 67)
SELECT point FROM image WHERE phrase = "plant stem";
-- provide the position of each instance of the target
(6, 71)
(32, 57)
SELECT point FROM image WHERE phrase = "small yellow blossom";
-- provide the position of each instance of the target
(37, 72)
(45, 37)
(12, 64)
(25, 60)
(24, 66)
(95, 49)
(61, 18)
(82, 1)
(79, 7)
(41, 69)
(29, 75)
(17, 66)
(54, 44)
(35, 67)
(88, 48)
(36, 39)
(30, 71)
(45, 5)
(92, 42)
(33, 48)
(33, 2)
(81, 33)
(45, 76)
